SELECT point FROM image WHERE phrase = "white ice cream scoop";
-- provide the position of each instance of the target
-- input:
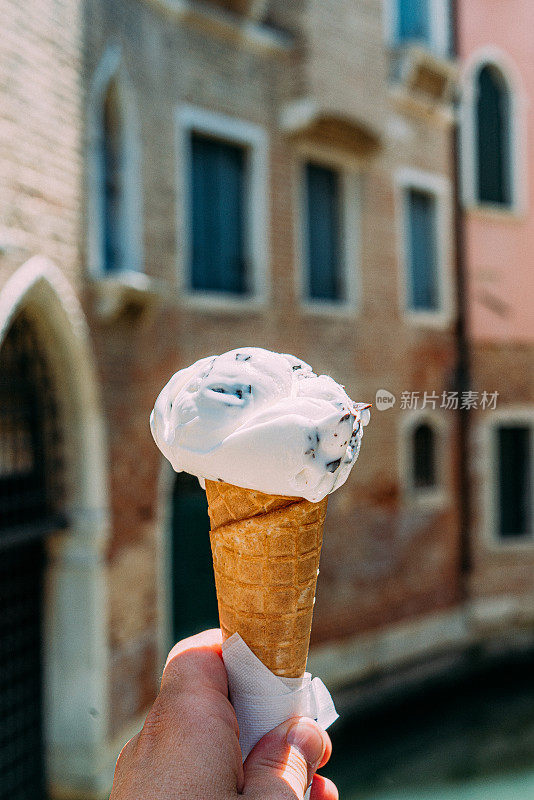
(260, 420)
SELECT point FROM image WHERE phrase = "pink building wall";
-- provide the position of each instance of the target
(500, 243)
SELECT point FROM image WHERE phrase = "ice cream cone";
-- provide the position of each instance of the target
(266, 551)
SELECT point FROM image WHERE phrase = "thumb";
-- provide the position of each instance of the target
(282, 764)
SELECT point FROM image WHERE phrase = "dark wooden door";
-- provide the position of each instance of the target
(194, 601)
(30, 469)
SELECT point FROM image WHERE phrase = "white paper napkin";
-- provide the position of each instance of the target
(262, 700)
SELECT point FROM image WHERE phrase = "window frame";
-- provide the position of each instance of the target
(516, 136)
(440, 28)
(253, 138)
(439, 186)
(486, 467)
(111, 68)
(349, 174)
(437, 496)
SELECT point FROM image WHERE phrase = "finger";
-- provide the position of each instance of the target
(211, 638)
(198, 657)
(195, 670)
(323, 789)
(192, 721)
(195, 676)
(282, 764)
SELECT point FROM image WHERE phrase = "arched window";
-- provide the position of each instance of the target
(30, 481)
(112, 189)
(193, 598)
(424, 457)
(115, 220)
(493, 137)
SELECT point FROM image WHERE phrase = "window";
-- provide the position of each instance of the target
(222, 216)
(493, 137)
(413, 21)
(424, 457)
(328, 234)
(514, 496)
(111, 184)
(422, 252)
(323, 225)
(218, 215)
(420, 22)
(114, 213)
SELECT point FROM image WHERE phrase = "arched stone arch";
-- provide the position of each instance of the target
(112, 68)
(510, 75)
(75, 625)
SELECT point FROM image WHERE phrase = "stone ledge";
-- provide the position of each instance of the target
(126, 291)
(228, 24)
(481, 622)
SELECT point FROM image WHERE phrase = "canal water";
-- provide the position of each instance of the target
(471, 738)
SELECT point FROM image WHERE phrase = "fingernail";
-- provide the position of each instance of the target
(306, 737)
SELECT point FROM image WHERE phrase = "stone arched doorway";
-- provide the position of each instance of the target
(31, 498)
(47, 365)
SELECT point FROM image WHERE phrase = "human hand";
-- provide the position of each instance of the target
(188, 748)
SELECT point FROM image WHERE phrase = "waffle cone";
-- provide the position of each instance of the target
(266, 552)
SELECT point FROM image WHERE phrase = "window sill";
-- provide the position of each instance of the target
(423, 82)
(489, 211)
(427, 499)
(221, 303)
(340, 310)
(126, 292)
(418, 106)
(227, 24)
(516, 545)
(438, 320)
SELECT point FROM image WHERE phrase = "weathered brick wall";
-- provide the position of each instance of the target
(40, 134)
(382, 561)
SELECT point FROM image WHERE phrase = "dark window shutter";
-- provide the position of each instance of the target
(324, 234)
(422, 251)
(218, 215)
(492, 116)
(515, 512)
(424, 457)
(193, 600)
(112, 185)
(413, 21)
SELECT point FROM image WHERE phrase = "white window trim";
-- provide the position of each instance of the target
(439, 186)
(437, 496)
(440, 26)
(486, 469)
(351, 210)
(111, 67)
(517, 133)
(254, 138)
